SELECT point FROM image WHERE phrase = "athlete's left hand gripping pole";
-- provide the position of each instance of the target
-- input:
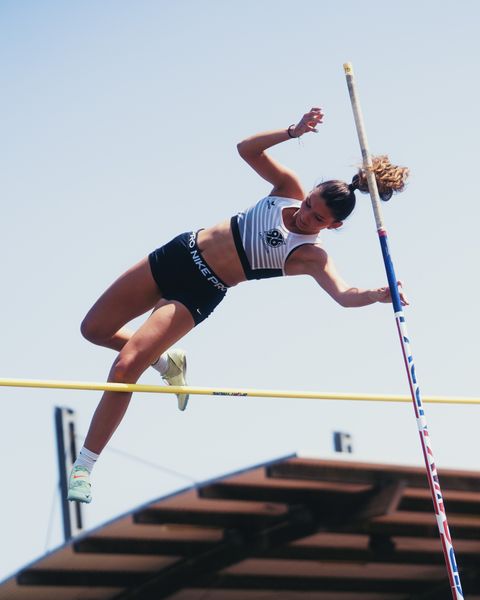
(432, 474)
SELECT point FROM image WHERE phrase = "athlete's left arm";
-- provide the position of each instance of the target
(313, 260)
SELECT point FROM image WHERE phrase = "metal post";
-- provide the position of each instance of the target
(342, 442)
(67, 453)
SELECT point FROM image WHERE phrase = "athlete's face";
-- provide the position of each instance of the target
(314, 215)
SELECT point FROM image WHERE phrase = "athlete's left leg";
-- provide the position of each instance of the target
(131, 295)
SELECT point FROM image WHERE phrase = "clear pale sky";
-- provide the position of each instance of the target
(119, 122)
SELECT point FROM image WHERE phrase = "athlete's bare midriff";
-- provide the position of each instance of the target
(219, 252)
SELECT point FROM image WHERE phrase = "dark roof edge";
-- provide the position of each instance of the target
(176, 492)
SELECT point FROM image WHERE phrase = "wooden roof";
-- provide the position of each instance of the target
(297, 529)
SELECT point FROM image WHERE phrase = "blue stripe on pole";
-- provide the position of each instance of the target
(392, 279)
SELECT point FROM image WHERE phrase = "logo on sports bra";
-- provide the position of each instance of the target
(273, 238)
(270, 203)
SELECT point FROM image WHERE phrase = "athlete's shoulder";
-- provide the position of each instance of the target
(311, 251)
(307, 258)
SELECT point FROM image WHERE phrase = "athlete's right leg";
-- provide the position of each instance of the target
(131, 295)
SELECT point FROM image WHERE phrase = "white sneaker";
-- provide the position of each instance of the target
(176, 373)
(79, 487)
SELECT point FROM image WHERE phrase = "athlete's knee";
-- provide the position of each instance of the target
(91, 331)
(127, 368)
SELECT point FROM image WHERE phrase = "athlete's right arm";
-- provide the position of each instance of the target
(311, 259)
(285, 182)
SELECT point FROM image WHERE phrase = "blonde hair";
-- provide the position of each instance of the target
(390, 178)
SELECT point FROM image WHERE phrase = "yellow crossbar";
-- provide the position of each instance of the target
(243, 392)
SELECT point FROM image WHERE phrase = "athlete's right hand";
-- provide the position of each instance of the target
(308, 122)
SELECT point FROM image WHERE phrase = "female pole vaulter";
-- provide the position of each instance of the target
(183, 281)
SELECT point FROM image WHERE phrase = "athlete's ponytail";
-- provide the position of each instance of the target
(340, 196)
(390, 178)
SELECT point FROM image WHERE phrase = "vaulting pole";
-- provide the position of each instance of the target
(431, 468)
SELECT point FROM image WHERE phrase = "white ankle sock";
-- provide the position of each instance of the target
(86, 459)
(162, 364)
